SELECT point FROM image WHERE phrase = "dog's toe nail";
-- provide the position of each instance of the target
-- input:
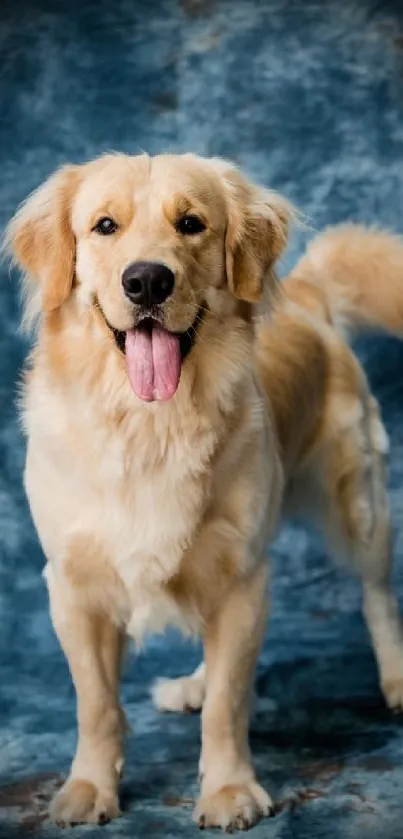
(103, 818)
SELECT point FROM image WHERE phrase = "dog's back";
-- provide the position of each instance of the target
(349, 279)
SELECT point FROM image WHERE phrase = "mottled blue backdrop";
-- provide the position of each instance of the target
(308, 97)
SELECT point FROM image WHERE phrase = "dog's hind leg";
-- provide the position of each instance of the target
(182, 695)
(356, 521)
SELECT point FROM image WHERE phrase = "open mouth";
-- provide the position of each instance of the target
(154, 356)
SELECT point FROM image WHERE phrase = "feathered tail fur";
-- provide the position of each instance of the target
(360, 271)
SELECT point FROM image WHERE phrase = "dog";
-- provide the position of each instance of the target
(178, 401)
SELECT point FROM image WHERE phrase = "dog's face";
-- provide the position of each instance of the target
(155, 245)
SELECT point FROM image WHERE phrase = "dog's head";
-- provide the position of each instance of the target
(154, 244)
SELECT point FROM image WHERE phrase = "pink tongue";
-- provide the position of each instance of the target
(153, 363)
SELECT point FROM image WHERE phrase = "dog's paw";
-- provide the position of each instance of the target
(393, 693)
(179, 695)
(236, 807)
(80, 801)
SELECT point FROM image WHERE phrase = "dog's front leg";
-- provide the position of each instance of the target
(230, 795)
(93, 647)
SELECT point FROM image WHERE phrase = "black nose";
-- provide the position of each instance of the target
(147, 283)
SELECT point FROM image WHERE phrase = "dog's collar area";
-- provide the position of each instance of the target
(186, 339)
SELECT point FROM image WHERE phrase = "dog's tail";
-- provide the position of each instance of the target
(360, 272)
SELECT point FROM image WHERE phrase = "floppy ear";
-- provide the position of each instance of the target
(257, 231)
(41, 240)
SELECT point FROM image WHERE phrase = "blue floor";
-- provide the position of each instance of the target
(308, 97)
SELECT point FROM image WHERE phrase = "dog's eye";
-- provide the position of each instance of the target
(105, 226)
(190, 225)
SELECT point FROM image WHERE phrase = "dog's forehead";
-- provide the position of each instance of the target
(186, 173)
(114, 175)
(127, 181)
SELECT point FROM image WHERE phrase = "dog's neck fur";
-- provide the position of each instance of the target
(78, 351)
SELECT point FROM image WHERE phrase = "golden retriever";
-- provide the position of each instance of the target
(177, 399)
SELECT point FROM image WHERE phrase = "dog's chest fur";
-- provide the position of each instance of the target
(162, 497)
(130, 497)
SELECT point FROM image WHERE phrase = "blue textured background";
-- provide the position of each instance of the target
(308, 97)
